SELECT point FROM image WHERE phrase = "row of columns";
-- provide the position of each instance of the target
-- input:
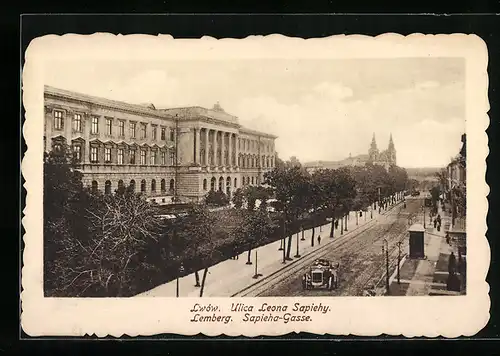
(224, 149)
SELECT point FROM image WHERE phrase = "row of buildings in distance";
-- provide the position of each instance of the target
(384, 158)
(174, 154)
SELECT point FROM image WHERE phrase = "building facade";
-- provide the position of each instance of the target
(167, 154)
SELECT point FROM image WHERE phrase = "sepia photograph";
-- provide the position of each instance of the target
(311, 178)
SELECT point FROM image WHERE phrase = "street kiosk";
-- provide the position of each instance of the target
(417, 241)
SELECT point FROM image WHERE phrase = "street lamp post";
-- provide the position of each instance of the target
(386, 265)
(181, 270)
(399, 258)
(256, 275)
(423, 208)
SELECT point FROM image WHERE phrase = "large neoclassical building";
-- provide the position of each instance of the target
(160, 152)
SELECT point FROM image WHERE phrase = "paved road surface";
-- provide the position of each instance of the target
(360, 256)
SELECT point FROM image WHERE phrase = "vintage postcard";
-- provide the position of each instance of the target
(255, 186)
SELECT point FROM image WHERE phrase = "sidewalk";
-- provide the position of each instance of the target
(427, 277)
(230, 276)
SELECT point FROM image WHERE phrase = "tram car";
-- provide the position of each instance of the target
(322, 274)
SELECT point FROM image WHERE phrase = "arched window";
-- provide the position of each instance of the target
(172, 185)
(121, 186)
(212, 183)
(107, 187)
(143, 186)
(204, 184)
(163, 185)
(221, 183)
(153, 185)
(235, 181)
(95, 186)
(132, 185)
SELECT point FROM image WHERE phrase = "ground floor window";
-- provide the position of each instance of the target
(107, 187)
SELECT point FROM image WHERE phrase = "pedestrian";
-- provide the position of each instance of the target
(336, 224)
(448, 238)
(452, 264)
(319, 239)
(439, 226)
(435, 223)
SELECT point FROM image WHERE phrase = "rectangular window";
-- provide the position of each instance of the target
(152, 158)
(121, 127)
(172, 158)
(77, 152)
(58, 120)
(120, 156)
(163, 134)
(94, 129)
(132, 129)
(154, 132)
(163, 161)
(94, 151)
(77, 123)
(143, 131)
(132, 156)
(172, 134)
(109, 126)
(107, 155)
(143, 157)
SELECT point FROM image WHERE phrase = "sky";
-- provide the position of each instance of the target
(320, 109)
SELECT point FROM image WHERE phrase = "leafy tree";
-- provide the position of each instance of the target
(435, 193)
(198, 232)
(238, 198)
(442, 177)
(338, 188)
(256, 227)
(290, 188)
(216, 198)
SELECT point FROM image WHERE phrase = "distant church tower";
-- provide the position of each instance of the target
(391, 152)
(373, 151)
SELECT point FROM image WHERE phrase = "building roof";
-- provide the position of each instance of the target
(257, 133)
(216, 113)
(190, 112)
(114, 104)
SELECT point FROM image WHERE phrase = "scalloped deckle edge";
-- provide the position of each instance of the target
(407, 316)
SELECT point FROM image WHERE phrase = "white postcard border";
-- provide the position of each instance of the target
(363, 316)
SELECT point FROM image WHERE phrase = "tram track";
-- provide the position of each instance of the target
(339, 245)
